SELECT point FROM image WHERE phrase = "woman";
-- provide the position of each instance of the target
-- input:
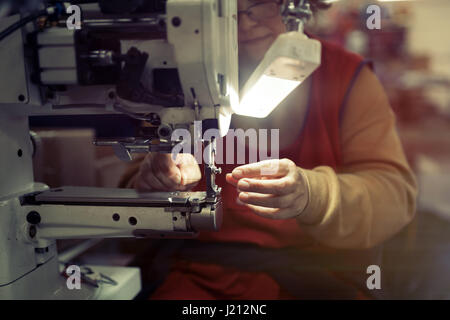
(342, 183)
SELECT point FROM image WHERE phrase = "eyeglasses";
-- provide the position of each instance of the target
(262, 10)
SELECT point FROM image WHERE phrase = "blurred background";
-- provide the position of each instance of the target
(411, 55)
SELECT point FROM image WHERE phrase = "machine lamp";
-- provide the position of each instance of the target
(288, 62)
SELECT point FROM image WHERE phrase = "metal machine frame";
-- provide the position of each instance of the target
(195, 37)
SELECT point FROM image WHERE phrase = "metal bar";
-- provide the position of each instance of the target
(113, 197)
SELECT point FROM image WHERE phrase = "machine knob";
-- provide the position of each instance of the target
(33, 217)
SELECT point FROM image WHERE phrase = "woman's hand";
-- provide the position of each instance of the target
(159, 172)
(274, 189)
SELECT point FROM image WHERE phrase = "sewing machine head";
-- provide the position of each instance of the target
(168, 63)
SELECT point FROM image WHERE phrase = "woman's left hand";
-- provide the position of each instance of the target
(274, 189)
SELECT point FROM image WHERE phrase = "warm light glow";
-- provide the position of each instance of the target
(292, 58)
(265, 95)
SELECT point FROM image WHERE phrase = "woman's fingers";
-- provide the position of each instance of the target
(189, 169)
(274, 214)
(147, 181)
(268, 200)
(283, 195)
(142, 186)
(155, 183)
(267, 168)
(283, 186)
(229, 178)
(159, 172)
(269, 213)
(165, 170)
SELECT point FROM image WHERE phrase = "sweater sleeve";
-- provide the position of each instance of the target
(372, 195)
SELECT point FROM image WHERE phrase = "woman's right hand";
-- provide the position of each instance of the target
(159, 172)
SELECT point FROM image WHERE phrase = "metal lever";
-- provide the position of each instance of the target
(125, 147)
(296, 16)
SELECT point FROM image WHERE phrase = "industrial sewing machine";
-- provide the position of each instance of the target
(165, 62)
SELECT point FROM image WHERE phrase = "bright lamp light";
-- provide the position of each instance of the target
(289, 61)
